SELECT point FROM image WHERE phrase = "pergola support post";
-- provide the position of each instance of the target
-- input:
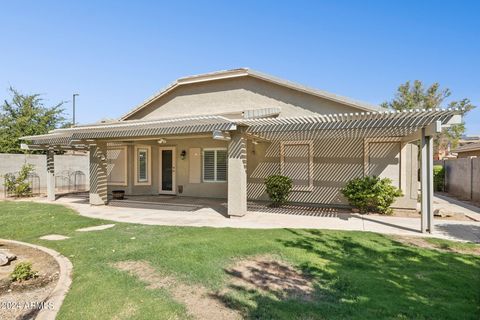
(237, 175)
(426, 181)
(50, 174)
(98, 174)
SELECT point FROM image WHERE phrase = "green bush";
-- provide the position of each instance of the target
(438, 177)
(18, 185)
(278, 188)
(371, 194)
(23, 271)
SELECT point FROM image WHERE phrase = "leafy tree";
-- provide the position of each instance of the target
(26, 115)
(415, 96)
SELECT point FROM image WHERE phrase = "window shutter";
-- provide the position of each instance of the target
(209, 165)
(221, 165)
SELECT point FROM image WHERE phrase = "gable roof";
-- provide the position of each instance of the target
(243, 72)
(468, 147)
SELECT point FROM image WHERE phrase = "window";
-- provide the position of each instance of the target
(215, 165)
(142, 165)
(296, 162)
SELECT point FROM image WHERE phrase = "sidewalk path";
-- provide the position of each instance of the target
(453, 205)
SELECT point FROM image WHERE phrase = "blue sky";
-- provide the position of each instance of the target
(118, 53)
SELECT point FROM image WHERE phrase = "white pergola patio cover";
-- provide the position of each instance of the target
(408, 125)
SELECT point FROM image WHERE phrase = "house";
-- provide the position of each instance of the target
(445, 152)
(468, 150)
(221, 134)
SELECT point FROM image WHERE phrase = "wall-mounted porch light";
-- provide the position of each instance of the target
(183, 154)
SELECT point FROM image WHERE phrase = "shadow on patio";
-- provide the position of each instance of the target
(301, 210)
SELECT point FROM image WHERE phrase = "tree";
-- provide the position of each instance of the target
(416, 96)
(26, 115)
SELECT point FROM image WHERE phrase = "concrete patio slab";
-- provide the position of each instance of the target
(258, 218)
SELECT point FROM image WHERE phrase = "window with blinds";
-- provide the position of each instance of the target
(215, 165)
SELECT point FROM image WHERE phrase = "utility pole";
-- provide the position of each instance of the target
(73, 120)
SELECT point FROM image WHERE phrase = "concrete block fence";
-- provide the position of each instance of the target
(462, 177)
(71, 171)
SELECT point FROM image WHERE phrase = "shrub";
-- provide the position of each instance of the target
(438, 177)
(371, 194)
(23, 271)
(278, 188)
(18, 185)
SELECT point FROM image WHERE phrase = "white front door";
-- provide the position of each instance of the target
(167, 170)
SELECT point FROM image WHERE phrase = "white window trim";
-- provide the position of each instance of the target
(310, 162)
(124, 183)
(149, 165)
(214, 165)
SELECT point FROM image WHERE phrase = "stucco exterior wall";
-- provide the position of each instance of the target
(335, 162)
(234, 96)
(202, 189)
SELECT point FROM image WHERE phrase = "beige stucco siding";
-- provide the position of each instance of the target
(236, 95)
(202, 189)
(335, 162)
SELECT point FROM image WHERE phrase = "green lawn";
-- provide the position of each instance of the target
(356, 275)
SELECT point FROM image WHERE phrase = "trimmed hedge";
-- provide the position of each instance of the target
(371, 194)
(438, 177)
(278, 188)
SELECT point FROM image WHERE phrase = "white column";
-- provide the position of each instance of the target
(98, 174)
(429, 140)
(237, 175)
(50, 174)
(426, 181)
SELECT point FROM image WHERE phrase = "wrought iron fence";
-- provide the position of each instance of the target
(70, 181)
(33, 181)
(66, 181)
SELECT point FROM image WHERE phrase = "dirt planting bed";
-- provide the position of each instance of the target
(23, 299)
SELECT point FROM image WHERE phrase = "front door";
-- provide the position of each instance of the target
(167, 170)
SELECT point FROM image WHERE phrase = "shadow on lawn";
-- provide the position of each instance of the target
(370, 276)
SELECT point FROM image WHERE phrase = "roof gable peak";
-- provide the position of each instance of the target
(242, 72)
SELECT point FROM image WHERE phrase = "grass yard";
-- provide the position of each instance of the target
(355, 275)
